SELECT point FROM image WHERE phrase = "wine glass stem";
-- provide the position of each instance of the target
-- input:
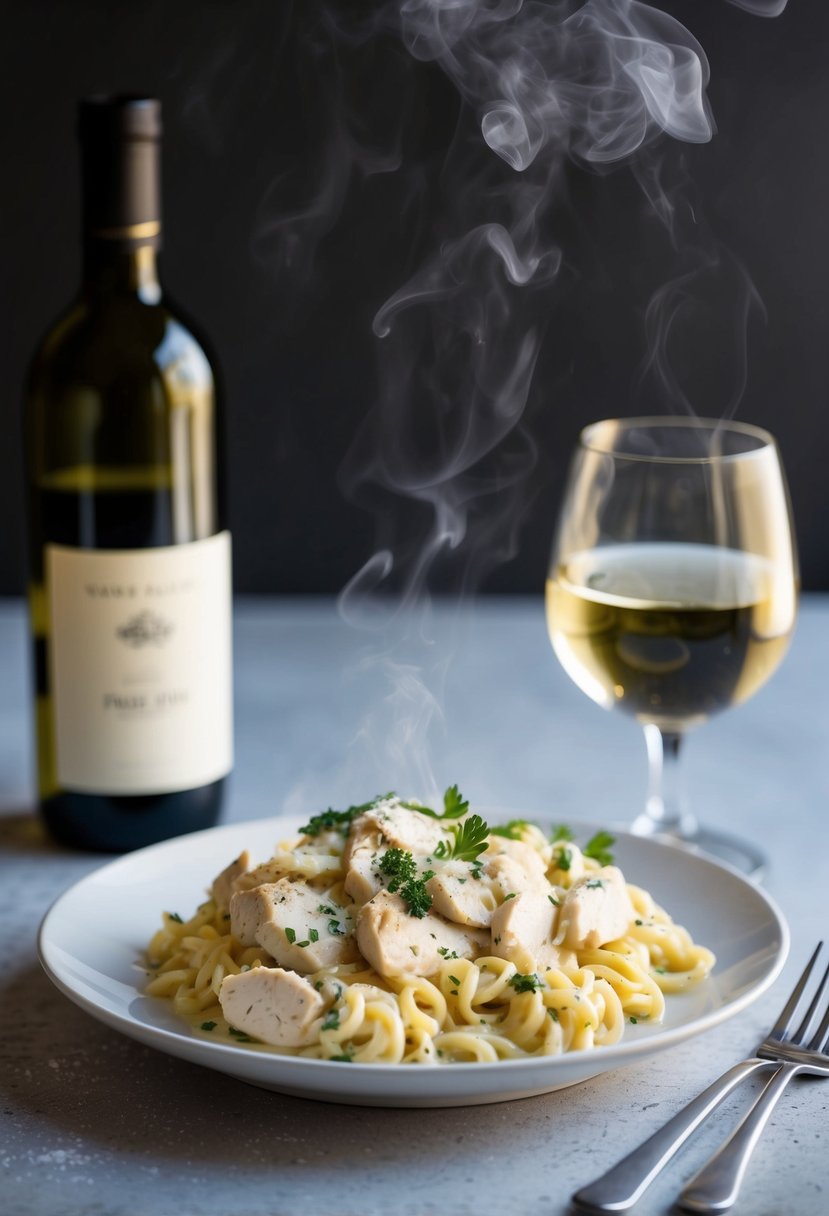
(667, 810)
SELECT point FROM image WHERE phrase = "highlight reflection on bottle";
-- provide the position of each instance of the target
(129, 556)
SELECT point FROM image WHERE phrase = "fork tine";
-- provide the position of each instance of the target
(818, 1042)
(805, 1028)
(783, 1025)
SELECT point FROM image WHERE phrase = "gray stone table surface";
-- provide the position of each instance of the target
(329, 712)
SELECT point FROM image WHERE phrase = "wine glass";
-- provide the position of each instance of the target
(672, 590)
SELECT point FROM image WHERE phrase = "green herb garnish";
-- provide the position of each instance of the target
(401, 870)
(340, 821)
(332, 1020)
(209, 1025)
(564, 858)
(598, 847)
(510, 831)
(525, 983)
(291, 935)
(175, 916)
(562, 832)
(470, 840)
(454, 805)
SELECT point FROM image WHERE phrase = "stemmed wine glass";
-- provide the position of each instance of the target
(672, 590)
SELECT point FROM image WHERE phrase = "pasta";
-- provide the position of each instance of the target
(390, 934)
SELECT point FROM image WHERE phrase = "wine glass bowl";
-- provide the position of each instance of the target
(672, 588)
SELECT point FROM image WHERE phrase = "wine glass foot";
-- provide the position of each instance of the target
(740, 854)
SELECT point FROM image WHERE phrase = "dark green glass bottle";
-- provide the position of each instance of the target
(129, 588)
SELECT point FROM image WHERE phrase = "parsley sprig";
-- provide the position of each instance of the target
(455, 805)
(512, 830)
(597, 847)
(470, 840)
(400, 868)
(340, 821)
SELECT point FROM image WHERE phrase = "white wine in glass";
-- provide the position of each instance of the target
(672, 590)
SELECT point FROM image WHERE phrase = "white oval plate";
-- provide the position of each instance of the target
(92, 939)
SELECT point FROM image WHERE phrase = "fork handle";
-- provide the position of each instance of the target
(624, 1183)
(716, 1187)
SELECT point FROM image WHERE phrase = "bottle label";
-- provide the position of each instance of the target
(140, 666)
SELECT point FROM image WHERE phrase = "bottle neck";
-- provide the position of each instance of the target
(121, 195)
(111, 269)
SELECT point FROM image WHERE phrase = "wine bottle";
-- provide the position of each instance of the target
(129, 588)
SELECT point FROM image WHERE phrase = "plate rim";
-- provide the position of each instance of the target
(185, 1045)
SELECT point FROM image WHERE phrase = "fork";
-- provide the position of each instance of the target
(624, 1183)
(716, 1187)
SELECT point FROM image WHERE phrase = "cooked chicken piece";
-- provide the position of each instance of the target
(528, 858)
(300, 927)
(222, 888)
(460, 897)
(276, 1006)
(395, 943)
(302, 863)
(362, 880)
(391, 826)
(596, 909)
(509, 877)
(523, 929)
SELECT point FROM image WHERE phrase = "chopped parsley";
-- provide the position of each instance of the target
(525, 983)
(562, 832)
(564, 858)
(445, 952)
(510, 896)
(240, 1035)
(291, 935)
(335, 928)
(455, 981)
(555, 902)
(400, 868)
(345, 1058)
(175, 916)
(553, 1014)
(595, 884)
(209, 1025)
(331, 1020)
(314, 935)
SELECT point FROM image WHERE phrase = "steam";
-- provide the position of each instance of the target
(544, 85)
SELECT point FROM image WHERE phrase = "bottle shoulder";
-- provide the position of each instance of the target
(94, 342)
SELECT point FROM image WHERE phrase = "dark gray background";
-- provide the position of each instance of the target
(253, 92)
